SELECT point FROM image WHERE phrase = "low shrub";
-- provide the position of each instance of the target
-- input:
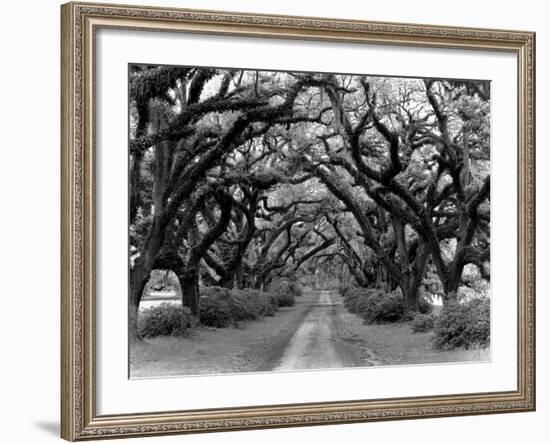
(215, 307)
(295, 288)
(422, 322)
(346, 290)
(463, 325)
(425, 306)
(216, 292)
(249, 304)
(164, 319)
(273, 299)
(353, 296)
(382, 307)
(378, 306)
(282, 299)
(268, 308)
(222, 307)
(374, 305)
(282, 293)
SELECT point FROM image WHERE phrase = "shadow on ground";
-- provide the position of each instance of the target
(49, 427)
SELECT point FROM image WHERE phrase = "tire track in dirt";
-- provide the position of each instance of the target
(316, 342)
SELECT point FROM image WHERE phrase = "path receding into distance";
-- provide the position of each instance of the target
(316, 343)
(316, 333)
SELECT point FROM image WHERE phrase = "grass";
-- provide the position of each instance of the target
(396, 344)
(249, 347)
(215, 351)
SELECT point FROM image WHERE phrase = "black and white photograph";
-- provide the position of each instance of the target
(276, 221)
(291, 220)
(283, 221)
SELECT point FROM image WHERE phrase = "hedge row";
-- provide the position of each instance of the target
(463, 325)
(459, 325)
(284, 291)
(222, 307)
(378, 306)
(164, 319)
(423, 322)
(219, 307)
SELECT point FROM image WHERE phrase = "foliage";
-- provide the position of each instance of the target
(222, 307)
(282, 299)
(249, 304)
(422, 322)
(463, 325)
(215, 308)
(352, 297)
(164, 319)
(266, 179)
(295, 288)
(382, 308)
(378, 306)
(374, 305)
(346, 291)
(424, 307)
(283, 292)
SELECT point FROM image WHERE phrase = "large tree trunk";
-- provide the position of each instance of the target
(135, 171)
(189, 279)
(143, 266)
(227, 281)
(410, 297)
(136, 158)
(411, 281)
(257, 283)
(138, 279)
(450, 286)
(133, 330)
(141, 272)
(453, 275)
(189, 282)
(240, 277)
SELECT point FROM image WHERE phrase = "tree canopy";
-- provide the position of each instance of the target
(241, 177)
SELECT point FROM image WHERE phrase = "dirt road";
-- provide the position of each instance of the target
(316, 333)
(317, 342)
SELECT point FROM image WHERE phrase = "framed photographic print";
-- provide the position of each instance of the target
(281, 221)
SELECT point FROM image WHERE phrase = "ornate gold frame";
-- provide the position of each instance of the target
(79, 420)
